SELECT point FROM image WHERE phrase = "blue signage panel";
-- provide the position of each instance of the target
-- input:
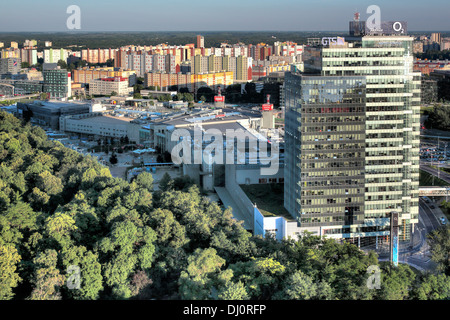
(395, 251)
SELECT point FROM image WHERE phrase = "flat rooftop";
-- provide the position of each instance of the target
(105, 119)
(58, 104)
(208, 117)
(269, 198)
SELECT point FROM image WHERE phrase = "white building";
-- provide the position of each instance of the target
(106, 86)
(99, 125)
(54, 55)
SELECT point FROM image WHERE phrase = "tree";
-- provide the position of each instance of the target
(90, 272)
(50, 184)
(60, 227)
(433, 287)
(145, 180)
(21, 216)
(205, 93)
(250, 94)
(197, 281)
(140, 286)
(439, 242)
(131, 247)
(301, 287)
(438, 118)
(117, 273)
(110, 63)
(261, 276)
(166, 182)
(168, 230)
(233, 291)
(9, 278)
(113, 159)
(47, 278)
(72, 67)
(396, 283)
(188, 97)
(132, 242)
(62, 64)
(137, 88)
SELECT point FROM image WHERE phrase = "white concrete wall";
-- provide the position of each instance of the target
(252, 176)
(238, 194)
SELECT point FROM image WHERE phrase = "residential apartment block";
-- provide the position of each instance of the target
(190, 81)
(108, 86)
(85, 75)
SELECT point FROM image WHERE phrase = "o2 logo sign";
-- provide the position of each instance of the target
(398, 27)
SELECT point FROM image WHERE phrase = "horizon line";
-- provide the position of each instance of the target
(193, 31)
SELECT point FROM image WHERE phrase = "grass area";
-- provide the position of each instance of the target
(269, 199)
(445, 208)
(441, 168)
(10, 102)
(426, 180)
(424, 109)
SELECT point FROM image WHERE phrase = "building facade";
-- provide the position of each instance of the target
(10, 65)
(85, 75)
(97, 125)
(192, 82)
(200, 41)
(98, 55)
(48, 113)
(352, 139)
(57, 82)
(108, 86)
(54, 55)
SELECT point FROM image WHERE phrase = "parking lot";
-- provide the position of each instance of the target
(84, 146)
(434, 151)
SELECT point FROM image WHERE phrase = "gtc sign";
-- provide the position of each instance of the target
(332, 41)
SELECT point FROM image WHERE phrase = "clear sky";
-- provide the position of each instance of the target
(217, 15)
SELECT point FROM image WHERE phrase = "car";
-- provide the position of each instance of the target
(442, 220)
(432, 207)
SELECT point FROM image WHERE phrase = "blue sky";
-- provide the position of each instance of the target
(215, 15)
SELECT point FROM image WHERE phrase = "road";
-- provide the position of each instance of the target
(20, 97)
(435, 172)
(419, 257)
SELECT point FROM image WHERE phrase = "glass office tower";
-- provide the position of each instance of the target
(352, 139)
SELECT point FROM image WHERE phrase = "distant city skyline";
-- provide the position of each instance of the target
(232, 15)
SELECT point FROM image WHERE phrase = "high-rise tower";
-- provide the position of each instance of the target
(200, 41)
(352, 137)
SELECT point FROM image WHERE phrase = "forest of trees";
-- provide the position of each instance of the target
(59, 209)
(106, 40)
(438, 118)
(434, 55)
